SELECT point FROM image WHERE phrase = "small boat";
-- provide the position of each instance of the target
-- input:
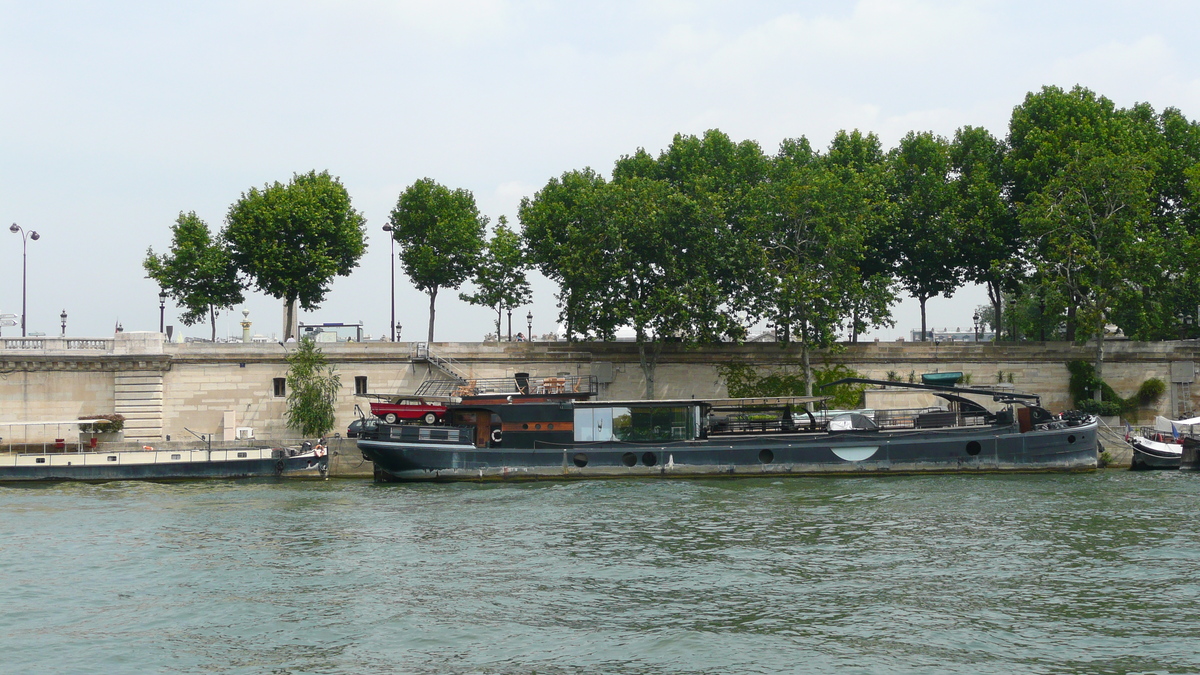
(151, 464)
(1190, 459)
(550, 428)
(1160, 446)
(1154, 453)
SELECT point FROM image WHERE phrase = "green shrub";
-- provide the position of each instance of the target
(113, 423)
(1150, 391)
(1102, 408)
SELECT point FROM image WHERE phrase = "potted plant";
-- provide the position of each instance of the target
(102, 428)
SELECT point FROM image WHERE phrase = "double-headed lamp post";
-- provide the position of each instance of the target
(389, 229)
(162, 310)
(25, 237)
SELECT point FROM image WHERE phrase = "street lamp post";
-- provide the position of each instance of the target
(976, 320)
(162, 310)
(63, 316)
(529, 318)
(389, 229)
(25, 237)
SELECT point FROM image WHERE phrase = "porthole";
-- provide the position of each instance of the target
(549, 426)
(524, 426)
(537, 426)
(580, 459)
(974, 448)
(649, 459)
(766, 456)
(1071, 438)
(629, 459)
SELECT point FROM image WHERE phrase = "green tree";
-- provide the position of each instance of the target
(294, 239)
(441, 236)
(197, 272)
(500, 280)
(923, 235)
(555, 223)
(990, 241)
(859, 158)
(313, 387)
(662, 248)
(814, 220)
(1089, 222)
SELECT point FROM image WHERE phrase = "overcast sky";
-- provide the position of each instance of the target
(115, 116)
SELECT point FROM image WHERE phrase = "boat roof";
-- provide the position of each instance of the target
(89, 420)
(1002, 396)
(423, 397)
(718, 403)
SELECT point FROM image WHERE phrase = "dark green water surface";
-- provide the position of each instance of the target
(1090, 573)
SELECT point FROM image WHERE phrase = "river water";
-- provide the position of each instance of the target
(1087, 573)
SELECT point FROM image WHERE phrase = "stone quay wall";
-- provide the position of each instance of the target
(166, 390)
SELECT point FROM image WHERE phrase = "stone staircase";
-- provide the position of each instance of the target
(138, 396)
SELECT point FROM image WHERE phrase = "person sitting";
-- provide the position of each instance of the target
(520, 337)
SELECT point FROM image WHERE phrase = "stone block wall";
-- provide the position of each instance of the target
(165, 390)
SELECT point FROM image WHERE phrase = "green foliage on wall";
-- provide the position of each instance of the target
(743, 381)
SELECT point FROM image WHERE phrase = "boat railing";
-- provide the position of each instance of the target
(915, 418)
(418, 433)
(516, 385)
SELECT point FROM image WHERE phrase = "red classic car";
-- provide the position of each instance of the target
(393, 408)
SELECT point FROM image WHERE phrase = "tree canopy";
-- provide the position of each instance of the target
(197, 272)
(293, 239)
(441, 236)
(500, 280)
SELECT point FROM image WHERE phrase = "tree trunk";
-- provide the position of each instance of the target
(853, 328)
(1099, 393)
(997, 298)
(499, 318)
(648, 362)
(1070, 336)
(924, 333)
(289, 318)
(432, 299)
(807, 365)
(212, 321)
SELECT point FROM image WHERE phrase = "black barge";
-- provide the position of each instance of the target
(550, 428)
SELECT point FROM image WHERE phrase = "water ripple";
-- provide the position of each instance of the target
(942, 574)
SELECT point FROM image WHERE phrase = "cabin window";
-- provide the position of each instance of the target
(39, 460)
(280, 386)
(593, 425)
(360, 384)
(666, 423)
(173, 456)
(241, 455)
(112, 458)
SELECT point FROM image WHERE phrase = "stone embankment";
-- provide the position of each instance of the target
(237, 391)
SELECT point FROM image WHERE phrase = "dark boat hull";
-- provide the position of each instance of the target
(1147, 457)
(80, 467)
(959, 449)
(1190, 458)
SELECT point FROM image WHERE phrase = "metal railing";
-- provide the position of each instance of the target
(564, 384)
(422, 352)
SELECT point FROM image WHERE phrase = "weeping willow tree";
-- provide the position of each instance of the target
(312, 390)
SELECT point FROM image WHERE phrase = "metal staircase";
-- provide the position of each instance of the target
(422, 353)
